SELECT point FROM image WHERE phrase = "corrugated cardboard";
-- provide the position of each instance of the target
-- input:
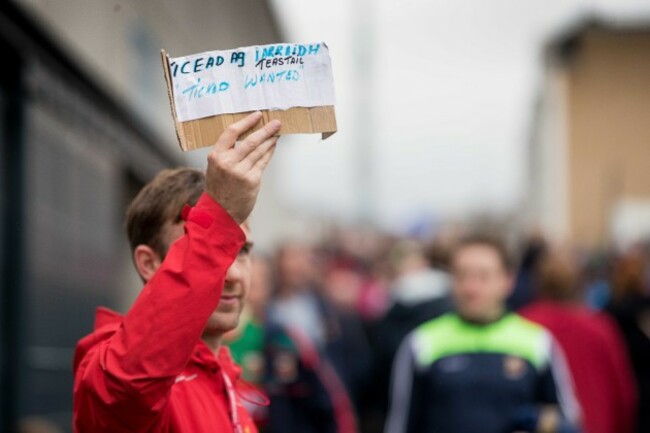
(198, 133)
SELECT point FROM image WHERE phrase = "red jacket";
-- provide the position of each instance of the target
(149, 371)
(598, 362)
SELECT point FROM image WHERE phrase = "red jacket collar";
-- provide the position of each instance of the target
(107, 317)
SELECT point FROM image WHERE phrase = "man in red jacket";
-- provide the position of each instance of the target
(161, 368)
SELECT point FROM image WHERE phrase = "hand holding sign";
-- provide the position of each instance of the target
(289, 82)
(234, 171)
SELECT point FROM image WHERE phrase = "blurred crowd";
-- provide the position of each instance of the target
(324, 323)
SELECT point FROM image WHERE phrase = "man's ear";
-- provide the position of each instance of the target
(147, 261)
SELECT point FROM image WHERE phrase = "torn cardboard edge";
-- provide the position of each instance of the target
(194, 134)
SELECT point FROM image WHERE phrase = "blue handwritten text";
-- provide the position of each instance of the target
(285, 50)
(199, 90)
(271, 77)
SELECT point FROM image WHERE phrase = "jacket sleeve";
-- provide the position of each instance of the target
(555, 387)
(124, 383)
(406, 387)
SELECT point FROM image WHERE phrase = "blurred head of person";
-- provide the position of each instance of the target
(437, 253)
(558, 277)
(296, 268)
(342, 284)
(415, 281)
(407, 257)
(628, 276)
(482, 278)
(154, 222)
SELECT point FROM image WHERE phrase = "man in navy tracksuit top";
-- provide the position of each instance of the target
(481, 369)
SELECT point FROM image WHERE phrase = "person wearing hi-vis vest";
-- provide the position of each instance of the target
(481, 369)
(161, 367)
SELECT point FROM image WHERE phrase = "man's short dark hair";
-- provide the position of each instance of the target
(159, 202)
(490, 241)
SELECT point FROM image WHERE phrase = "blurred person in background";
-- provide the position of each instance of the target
(374, 299)
(630, 307)
(592, 343)
(523, 292)
(481, 369)
(367, 250)
(347, 346)
(296, 302)
(418, 293)
(596, 275)
(307, 393)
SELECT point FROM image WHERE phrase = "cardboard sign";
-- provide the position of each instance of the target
(289, 82)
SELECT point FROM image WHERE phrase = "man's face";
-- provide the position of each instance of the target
(238, 280)
(481, 283)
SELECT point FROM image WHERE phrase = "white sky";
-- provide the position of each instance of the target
(452, 84)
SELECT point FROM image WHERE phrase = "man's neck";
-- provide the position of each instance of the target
(213, 341)
(487, 319)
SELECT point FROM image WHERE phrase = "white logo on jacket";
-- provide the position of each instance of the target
(183, 378)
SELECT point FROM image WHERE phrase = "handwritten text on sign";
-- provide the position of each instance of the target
(263, 77)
